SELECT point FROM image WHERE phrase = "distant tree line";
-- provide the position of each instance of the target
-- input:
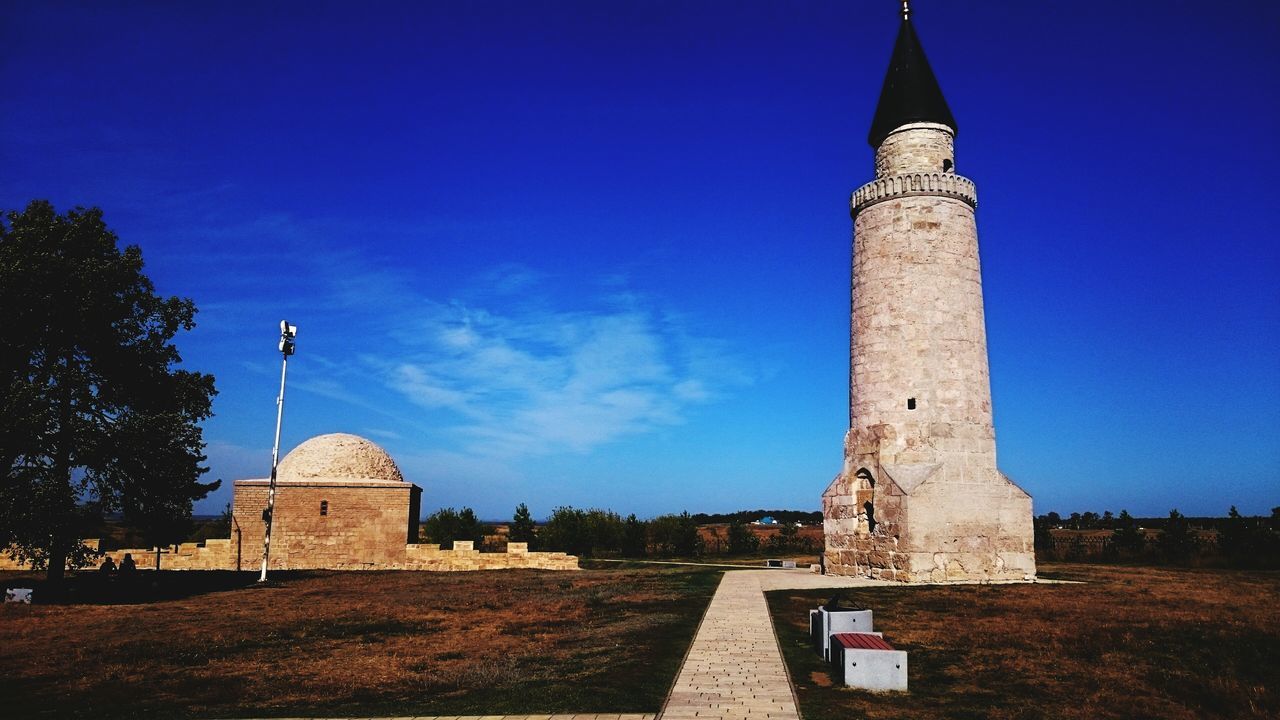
(604, 533)
(749, 516)
(1233, 541)
(738, 539)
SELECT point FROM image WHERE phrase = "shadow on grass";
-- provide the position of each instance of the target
(143, 587)
(359, 644)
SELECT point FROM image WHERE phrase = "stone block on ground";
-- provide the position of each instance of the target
(867, 662)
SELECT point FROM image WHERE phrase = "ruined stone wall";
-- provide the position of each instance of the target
(464, 557)
(221, 555)
(8, 563)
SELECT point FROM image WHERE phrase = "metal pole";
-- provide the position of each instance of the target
(275, 456)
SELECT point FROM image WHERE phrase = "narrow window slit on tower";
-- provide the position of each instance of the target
(871, 515)
(324, 507)
(911, 403)
(947, 165)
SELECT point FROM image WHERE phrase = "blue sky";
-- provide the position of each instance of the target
(596, 253)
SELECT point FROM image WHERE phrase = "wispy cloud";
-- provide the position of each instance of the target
(514, 362)
(531, 379)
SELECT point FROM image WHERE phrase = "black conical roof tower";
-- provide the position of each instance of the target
(910, 93)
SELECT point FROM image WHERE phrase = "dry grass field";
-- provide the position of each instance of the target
(375, 643)
(1129, 643)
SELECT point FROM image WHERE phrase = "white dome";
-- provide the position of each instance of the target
(339, 456)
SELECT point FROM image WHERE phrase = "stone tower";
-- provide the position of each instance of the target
(920, 498)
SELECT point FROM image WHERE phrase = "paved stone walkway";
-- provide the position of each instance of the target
(581, 716)
(734, 669)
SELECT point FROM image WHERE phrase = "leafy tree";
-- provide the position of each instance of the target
(1044, 547)
(675, 535)
(634, 541)
(586, 533)
(787, 538)
(1127, 537)
(94, 415)
(741, 540)
(604, 530)
(470, 527)
(446, 525)
(566, 531)
(218, 528)
(1176, 542)
(522, 527)
(1233, 537)
(1248, 542)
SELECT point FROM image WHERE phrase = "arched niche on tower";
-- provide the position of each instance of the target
(864, 490)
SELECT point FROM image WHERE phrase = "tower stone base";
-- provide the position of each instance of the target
(927, 522)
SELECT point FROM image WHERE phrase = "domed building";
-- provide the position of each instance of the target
(341, 502)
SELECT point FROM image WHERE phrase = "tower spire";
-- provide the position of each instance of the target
(910, 92)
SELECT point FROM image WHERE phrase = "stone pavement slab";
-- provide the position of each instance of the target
(579, 716)
(734, 669)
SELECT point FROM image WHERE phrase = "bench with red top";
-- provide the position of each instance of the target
(867, 661)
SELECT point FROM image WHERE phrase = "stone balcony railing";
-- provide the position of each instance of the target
(895, 186)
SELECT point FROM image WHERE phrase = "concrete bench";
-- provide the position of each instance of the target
(866, 661)
(824, 622)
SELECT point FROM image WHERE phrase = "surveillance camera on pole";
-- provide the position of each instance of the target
(287, 334)
(287, 347)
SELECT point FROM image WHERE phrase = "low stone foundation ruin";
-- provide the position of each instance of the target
(223, 554)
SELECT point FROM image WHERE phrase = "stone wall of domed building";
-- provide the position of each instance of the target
(341, 504)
